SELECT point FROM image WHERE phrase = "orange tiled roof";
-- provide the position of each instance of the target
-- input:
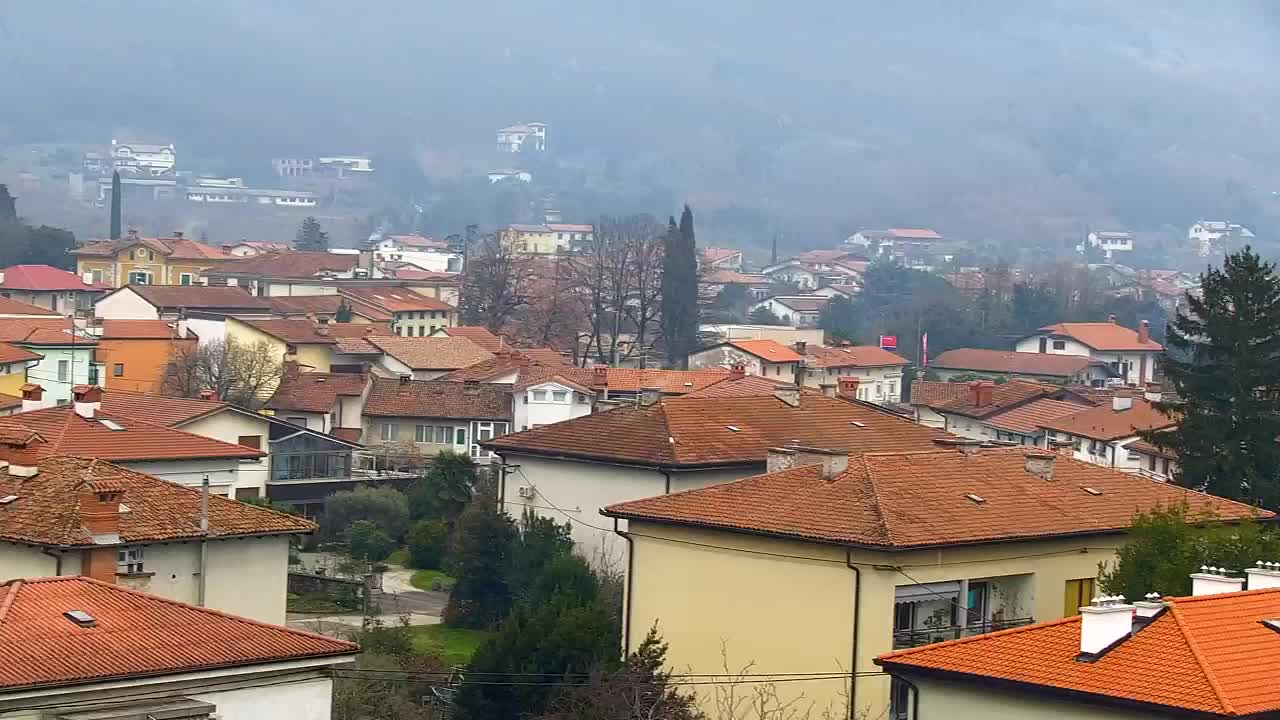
(294, 332)
(392, 397)
(546, 356)
(40, 331)
(12, 354)
(745, 386)
(177, 248)
(851, 356)
(895, 500)
(480, 335)
(932, 392)
(1102, 336)
(1003, 396)
(1205, 654)
(167, 411)
(47, 510)
(9, 306)
(137, 330)
(1105, 423)
(66, 433)
(1029, 418)
(322, 304)
(715, 254)
(395, 299)
(134, 635)
(1004, 361)
(1143, 446)
(714, 431)
(289, 264)
(807, 303)
(10, 402)
(769, 350)
(315, 391)
(431, 353)
(45, 278)
(199, 297)
(357, 330)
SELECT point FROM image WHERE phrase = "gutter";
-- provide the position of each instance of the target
(626, 594)
(857, 601)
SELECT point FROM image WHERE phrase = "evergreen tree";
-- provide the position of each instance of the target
(115, 205)
(8, 205)
(680, 290)
(311, 236)
(1224, 364)
(481, 561)
(444, 490)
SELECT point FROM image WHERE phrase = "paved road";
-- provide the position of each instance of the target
(397, 599)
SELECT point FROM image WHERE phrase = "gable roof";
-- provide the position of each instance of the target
(770, 350)
(9, 306)
(717, 254)
(1106, 423)
(392, 397)
(545, 356)
(159, 409)
(12, 354)
(1102, 336)
(851, 356)
(1029, 418)
(45, 278)
(134, 635)
(807, 303)
(919, 499)
(41, 331)
(716, 431)
(478, 334)
(1003, 396)
(1005, 361)
(289, 264)
(175, 248)
(1208, 654)
(197, 297)
(294, 332)
(395, 299)
(315, 392)
(745, 386)
(430, 353)
(47, 510)
(138, 330)
(66, 433)
(323, 304)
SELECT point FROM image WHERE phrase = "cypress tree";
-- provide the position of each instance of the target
(8, 205)
(115, 205)
(1224, 363)
(311, 236)
(680, 290)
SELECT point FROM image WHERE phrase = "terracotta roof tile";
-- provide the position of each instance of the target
(1147, 448)
(431, 353)
(199, 297)
(9, 306)
(699, 431)
(47, 510)
(546, 356)
(438, 399)
(45, 278)
(10, 402)
(1209, 654)
(315, 391)
(177, 248)
(289, 264)
(167, 411)
(322, 304)
(918, 499)
(1102, 336)
(294, 332)
(1029, 418)
(138, 330)
(357, 330)
(66, 433)
(36, 331)
(745, 386)
(478, 334)
(1004, 361)
(770, 350)
(12, 354)
(1106, 423)
(500, 365)
(134, 635)
(851, 356)
(1003, 396)
(931, 392)
(395, 299)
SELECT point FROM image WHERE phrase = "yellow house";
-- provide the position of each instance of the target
(14, 362)
(299, 343)
(546, 239)
(147, 261)
(828, 561)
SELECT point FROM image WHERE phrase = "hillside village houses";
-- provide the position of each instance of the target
(878, 371)
(795, 310)
(139, 260)
(522, 137)
(857, 543)
(417, 250)
(1110, 242)
(1133, 355)
(1210, 237)
(1007, 364)
(1103, 434)
(135, 354)
(48, 287)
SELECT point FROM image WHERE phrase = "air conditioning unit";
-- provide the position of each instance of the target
(526, 491)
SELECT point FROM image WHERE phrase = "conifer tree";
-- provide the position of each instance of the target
(115, 205)
(8, 205)
(680, 290)
(311, 236)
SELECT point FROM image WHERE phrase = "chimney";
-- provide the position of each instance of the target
(650, 395)
(831, 462)
(779, 459)
(471, 387)
(208, 395)
(100, 507)
(799, 346)
(133, 233)
(1111, 319)
(828, 389)
(600, 376)
(1144, 331)
(738, 371)
(1063, 447)
(87, 400)
(848, 387)
(1153, 392)
(21, 449)
(1213, 581)
(1040, 463)
(1103, 623)
(1147, 608)
(177, 234)
(980, 392)
(789, 394)
(322, 330)
(32, 397)
(1121, 401)
(1264, 575)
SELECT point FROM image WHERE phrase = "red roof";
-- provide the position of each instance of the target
(851, 356)
(715, 254)
(66, 433)
(198, 297)
(768, 350)
(1205, 654)
(1102, 336)
(289, 264)
(324, 305)
(134, 635)
(138, 330)
(546, 356)
(431, 353)
(40, 331)
(745, 386)
(915, 233)
(478, 334)
(932, 393)
(294, 332)
(159, 409)
(1003, 396)
(395, 299)
(805, 304)
(9, 306)
(1029, 418)
(12, 354)
(315, 392)
(1106, 423)
(45, 278)
(392, 397)
(1004, 361)
(922, 499)
(176, 248)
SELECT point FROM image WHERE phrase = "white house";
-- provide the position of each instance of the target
(552, 400)
(419, 251)
(1131, 355)
(80, 648)
(1103, 435)
(66, 359)
(1209, 236)
(513, 139)
(766, 358)
(143, 159)
(792, 272)
(497, 176)
(795, 310)
(344, 166)
(1110, 242)
(878, 371)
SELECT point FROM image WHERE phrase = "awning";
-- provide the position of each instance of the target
(927, 591)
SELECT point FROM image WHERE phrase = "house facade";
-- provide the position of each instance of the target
(66, 358)
(412, 314)
(146, 261)
(547, 239)
(413, 417)
(801, 311)
(522, 137)
(135, 354)
(1103, 435)
(766, 358)
(1131, 354)
(878, 371)
(1008, 365)
(45, 286)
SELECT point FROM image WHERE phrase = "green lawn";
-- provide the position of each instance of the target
(457, 644)
(426, 579)
(399, 557)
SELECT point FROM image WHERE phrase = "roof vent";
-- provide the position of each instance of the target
(733, 428)
(1214, 580)
(80, 618)
(1090, 490)
(111, 425)
(976, 498)
(855, 423)
(7, 499)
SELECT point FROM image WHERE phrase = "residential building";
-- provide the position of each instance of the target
(1111, 243)
(1131, 354)
(48, 287)
(571, 469)
(964, 408)
(294, 167)
(1213, 236)
(254, 248)
(1210, 655)
(1023, 423)
(418, 251)
(240, 195)
(16, 310)
(81, 648)
(484, 338)
(878, 371)
(294, 273)
(1006, 365)
(412, 314)
(135, 260)
(325, 310)
(301, 342)
(793, 273)
(14, 362)
(548, 400)
(321, 401)
(151, 160)
(897, 242)
(718, 258)
(523, 137)
(840, 291)
(1103, 434)
(780, 333)
(767, 358)
(422, 358)
(546, 239)
(866, 553)
(710, 285)
(135, 354)
(609, 384)
(795, 310)
(416, 417)
(344, 167)
(510, 175)
(66, 358)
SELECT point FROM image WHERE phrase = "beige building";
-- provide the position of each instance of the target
(832, 560)
(135, 260)
(878, 372)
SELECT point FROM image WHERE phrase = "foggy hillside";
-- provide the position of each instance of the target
(1017, 121)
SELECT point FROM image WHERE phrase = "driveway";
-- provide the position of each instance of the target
(397, 599)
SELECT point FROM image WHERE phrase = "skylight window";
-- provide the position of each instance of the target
(111, 425)
(1090, 490)
(733, 428)
(855, 423)
(1272, 624)
(81, 618)
(976, 498)
(7, 499)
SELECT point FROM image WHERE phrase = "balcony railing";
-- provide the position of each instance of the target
(923, 636)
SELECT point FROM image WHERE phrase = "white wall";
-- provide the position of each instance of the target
(528, 412)
(45, 372)
(1073, 347)
(882, 384)
(228, 426)
(125, 304)
(724, 356)
(224, 473)
(958, 700)
(24, 561)
(208, 329)
(249, 577)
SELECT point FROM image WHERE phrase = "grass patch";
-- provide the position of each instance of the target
(314, 603)
(456, 645)
(426, 580)
(399, 557)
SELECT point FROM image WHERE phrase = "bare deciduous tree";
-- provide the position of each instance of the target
(617, 278)
(496, 284)
(239, 373)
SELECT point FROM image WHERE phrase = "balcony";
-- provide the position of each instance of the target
(925, 613)
(903, 639)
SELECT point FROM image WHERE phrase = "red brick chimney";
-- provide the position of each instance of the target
(738, 371)
(32, 397)
(87, 400)
(1144, 331)
(21, 450)
(800, 346)
(208, 395)
(600, 376)
(848, 387)
(100, 506)
(980, 392)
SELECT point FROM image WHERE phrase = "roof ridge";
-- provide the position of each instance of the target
(1201, 662)
(9, 598)
(869, 478)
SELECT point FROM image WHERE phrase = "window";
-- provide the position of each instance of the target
(539, 395)
(442, 434)
(96, 275)
(904, 616)
(559, 396)
(460, 436)
(117, 370)
(1079, 593)
(184, 279)
(64, 371)
(1059, 344)
(140, 277)
(899, 700)
(129, 561)
(246, 493)
(250, 441)
(390, 432)
(423, 433)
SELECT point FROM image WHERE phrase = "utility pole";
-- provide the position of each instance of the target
(204, 537)
(773, 255)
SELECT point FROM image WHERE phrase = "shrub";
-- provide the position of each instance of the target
(384, 507)
(428, 543)
(368, 542)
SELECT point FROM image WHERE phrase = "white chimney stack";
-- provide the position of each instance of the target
(87, 400)
(1103, 623)
(1213, 581)
(1122, 400)
(32, 397)
(1148, 606)
(1265, 575)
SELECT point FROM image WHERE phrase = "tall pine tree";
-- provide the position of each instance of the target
(8, 205)
(115, 205)
(1224, 364)
(311, 236)
(680, 290)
